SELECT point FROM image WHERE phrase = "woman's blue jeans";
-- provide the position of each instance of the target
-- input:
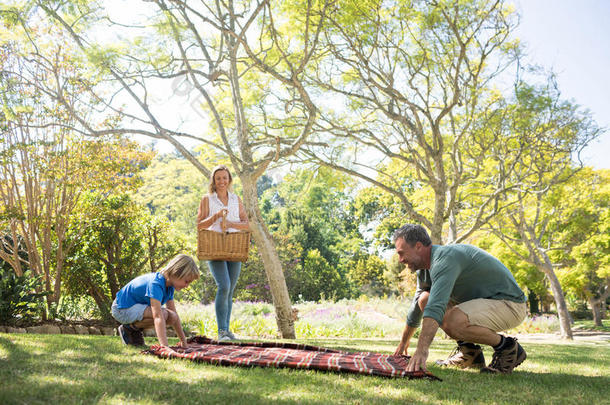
(226, 275)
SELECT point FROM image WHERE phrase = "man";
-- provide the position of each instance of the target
(466, 292)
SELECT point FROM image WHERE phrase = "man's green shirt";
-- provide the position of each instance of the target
(460, 273)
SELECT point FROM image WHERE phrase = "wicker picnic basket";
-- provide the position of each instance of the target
(229, 246)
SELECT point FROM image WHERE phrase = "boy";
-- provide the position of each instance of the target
(138, 305)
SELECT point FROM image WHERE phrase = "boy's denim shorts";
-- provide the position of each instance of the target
(128, 315)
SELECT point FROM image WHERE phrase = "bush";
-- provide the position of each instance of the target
(317, 279)
(121, 241)
(76, 308)
(19, 301)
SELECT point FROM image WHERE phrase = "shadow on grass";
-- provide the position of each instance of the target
(90, 369)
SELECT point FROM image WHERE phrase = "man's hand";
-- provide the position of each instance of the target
(407, 334)
(418, 361)
(428, 330)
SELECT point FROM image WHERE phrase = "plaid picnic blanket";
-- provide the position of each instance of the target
(290, 355)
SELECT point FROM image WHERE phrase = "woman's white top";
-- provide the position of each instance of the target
(233, 210)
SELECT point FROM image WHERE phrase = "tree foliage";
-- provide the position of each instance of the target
(47, 164)
(172, 188)
(556, 131)
(582, 225)
(121, 241)
(413, 84)
(413, 97)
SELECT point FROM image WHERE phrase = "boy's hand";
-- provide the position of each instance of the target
(401, 349)
(168, 350)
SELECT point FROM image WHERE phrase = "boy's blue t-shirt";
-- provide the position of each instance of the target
(142, 288)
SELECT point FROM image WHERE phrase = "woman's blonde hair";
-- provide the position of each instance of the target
(212, 186)
(180, 267)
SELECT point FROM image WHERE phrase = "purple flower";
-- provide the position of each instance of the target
(250, 286)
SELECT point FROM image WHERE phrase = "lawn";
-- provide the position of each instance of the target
(588, 325)
(71, 369)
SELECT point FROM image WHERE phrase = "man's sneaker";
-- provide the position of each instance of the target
(505, 360)
(223, 336)
(465, 355)
(231, 335)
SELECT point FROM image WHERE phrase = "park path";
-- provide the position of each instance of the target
(583, 336)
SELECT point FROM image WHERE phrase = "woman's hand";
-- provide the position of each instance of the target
(221, 214)
(223, 221)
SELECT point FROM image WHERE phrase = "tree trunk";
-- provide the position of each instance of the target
(604, 294)
(560, 302)
(436, 234)
(453, 232)
(271, 260)
(596, 309)
(533, 302)
(598, 305)
(101, 301)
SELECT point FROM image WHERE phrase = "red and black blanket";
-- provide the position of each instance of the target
(290, 355)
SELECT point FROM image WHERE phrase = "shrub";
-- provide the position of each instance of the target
(19, 301)
(121, 241)
(317, 279)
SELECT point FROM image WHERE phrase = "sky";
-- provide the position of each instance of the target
(573, 38)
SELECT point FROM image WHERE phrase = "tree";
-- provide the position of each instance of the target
(555, 131)
(45, 166)
(414, 82)
(243, 62)
(313, 208)
(368, 274)
(317, 279)
(121, 241)
(582, 228)
(172, 187)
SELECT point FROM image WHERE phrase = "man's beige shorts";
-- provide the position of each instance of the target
(497, 315)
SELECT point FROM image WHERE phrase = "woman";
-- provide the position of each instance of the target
(223, 210)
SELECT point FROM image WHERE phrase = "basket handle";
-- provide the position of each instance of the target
(223, 222)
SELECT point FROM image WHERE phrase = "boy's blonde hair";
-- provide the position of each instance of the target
(180, 267)
(212, 186)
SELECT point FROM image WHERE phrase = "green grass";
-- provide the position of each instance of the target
(590, 326)
(70, 369)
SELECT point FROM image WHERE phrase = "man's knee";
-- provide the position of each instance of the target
(423, 300)
(454, 322)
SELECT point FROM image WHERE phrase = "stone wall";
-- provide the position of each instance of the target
(75, 329)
